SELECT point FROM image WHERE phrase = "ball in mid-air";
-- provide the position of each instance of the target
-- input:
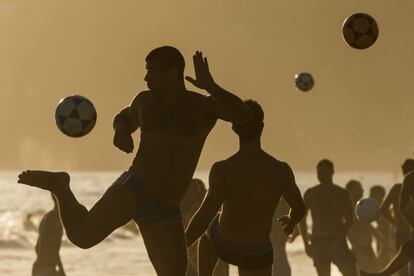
(367, 209)
(360, 31)
(75, 116)
(304, 81)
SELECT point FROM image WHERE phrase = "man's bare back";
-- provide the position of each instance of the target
(254, 183)
(172, 137)
(249, 186)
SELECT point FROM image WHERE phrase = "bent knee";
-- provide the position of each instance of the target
(82, 241)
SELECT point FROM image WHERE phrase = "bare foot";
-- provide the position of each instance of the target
(54, 182)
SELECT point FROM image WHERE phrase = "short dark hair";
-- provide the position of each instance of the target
(408, 165)
(326, 163)
(252, 129)
(352, 184)
(378, 189)
(168, 57)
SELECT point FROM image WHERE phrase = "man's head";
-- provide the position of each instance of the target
(355, 190)
(377, 192)
(407, 166)
(252, 129)
(165, 67)
(325, 171)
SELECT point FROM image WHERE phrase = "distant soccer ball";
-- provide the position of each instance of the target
(75, 116)
(360, 31)
(367, 209)
(304, 81)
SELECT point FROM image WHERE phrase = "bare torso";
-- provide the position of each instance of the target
(172, 137)
(253, 185)
(50, 239)
(327, 204)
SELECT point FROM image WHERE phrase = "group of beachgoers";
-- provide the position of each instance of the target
(246, 191)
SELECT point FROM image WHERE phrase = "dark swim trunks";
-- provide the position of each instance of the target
(148, 209)
(247, 257)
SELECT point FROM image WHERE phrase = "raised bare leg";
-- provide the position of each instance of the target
(84, 229)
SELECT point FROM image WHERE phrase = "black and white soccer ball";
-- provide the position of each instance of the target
(304, 81)
(75, 116)
(360, 31)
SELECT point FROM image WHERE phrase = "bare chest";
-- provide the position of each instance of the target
(182, 120)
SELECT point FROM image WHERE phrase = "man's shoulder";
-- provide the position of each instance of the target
(141, 96)
(311, 190)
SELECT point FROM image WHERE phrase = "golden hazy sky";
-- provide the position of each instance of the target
(358, 114)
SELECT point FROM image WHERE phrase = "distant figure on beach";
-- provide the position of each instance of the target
(361, 234)
(391, 211)
(281, 266)
(385, 244)
(174, 123)
(48, 262)
(406, 252)
(189, 205)
(332, 216)
(248, 185)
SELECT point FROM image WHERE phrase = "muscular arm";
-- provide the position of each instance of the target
(293, 197)
(226, 106)
(125, 123)
(208, 209)
(127, 119)
(405, 199)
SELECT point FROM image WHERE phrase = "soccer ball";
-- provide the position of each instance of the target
(304, 81)
(367, 209)
(360, 31)
(75, 116)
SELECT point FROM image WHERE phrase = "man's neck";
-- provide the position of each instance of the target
(325, 183)
(252, 146)
(174, 94)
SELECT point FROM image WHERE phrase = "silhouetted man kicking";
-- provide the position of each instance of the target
(174, 124)
(406, 252)
(249, 185)
(332, 216)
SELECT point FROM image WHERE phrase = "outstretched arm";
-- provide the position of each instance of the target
(209, 208)
(223, 104)
(125, 123)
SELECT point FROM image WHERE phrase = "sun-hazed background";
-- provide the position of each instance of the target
(359, 113)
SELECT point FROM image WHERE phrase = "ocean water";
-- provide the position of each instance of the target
(122, 253)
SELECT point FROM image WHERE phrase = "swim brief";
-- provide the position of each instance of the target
(247, 257)
(148, 209)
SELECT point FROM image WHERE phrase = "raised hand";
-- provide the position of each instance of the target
(203, 78)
